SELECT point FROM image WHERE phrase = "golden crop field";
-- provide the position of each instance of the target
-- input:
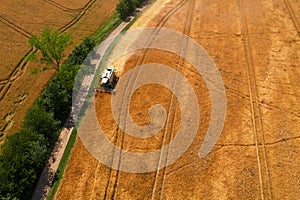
(255, 45)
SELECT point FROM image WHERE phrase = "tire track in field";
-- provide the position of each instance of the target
(158, 186)
(95, 182)
(59, 6)
(15, 27)
(292, 15)
(14, 75)
(111, 187)
(282, 140)
(264, 177)
(78, 16)
(21, 66)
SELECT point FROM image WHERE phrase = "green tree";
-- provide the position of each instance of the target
(51, 45)
(123, 9)
(55, 99)
(126, 7)
(38, 120)
(23, 156)
(80, 52)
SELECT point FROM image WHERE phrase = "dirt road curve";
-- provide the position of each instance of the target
(256, 46)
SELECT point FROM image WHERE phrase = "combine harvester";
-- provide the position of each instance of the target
(108, 80)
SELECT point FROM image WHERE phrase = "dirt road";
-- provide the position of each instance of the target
(255, 45)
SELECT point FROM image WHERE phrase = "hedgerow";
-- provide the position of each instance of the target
(25, 153)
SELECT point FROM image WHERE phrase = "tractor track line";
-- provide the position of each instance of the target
(59, 6)
(15, 27)
(15, 74)
(112, 185)
(255, 109)
(95, 180)
(21, 66)
(172, 110)
(292, 15)
(78, 16)
(2, 82)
